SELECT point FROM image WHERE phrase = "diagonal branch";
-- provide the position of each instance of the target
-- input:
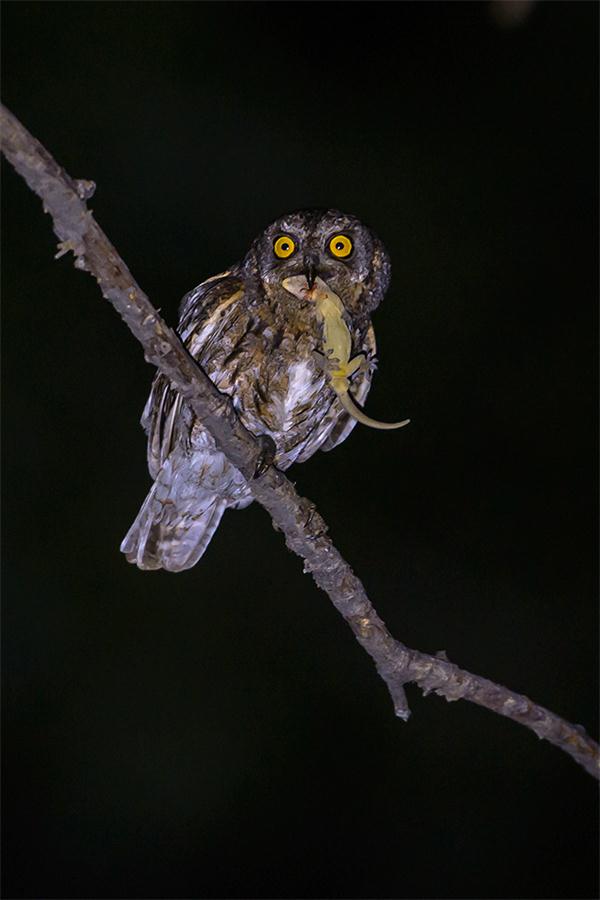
(304, 529)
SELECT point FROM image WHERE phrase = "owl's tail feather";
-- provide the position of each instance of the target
(176, 522)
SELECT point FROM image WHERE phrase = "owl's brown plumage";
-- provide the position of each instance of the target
(263, 346)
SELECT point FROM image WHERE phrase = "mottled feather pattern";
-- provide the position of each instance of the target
(263, 347)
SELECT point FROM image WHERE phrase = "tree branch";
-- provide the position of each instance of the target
(304, 529)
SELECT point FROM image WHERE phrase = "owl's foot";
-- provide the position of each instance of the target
(268, 450)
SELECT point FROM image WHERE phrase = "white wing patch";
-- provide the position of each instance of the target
(301, 390)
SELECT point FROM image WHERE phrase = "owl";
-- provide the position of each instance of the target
(287, 334)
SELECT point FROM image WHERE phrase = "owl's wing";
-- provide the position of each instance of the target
(202, 313)
(359, 389)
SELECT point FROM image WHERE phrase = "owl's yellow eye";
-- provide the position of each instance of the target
(284, 246)
(340, 246)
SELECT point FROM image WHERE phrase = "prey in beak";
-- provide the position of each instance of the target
(337, 342)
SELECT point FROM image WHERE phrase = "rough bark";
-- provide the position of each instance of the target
(305, 531)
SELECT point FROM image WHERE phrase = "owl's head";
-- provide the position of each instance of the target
(329, 244)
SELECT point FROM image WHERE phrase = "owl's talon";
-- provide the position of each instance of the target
(268, 450)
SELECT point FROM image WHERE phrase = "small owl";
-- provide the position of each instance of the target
(286, 333)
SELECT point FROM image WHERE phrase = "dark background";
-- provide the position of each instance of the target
(220, 732)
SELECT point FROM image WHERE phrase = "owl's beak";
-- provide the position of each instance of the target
(311, 270)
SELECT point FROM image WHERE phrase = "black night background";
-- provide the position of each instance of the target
(220, 733)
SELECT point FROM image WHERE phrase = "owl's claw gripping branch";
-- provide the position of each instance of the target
(267, 454)
(305, 535)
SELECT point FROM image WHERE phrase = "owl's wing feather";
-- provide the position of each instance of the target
(200, 313)
(199, 303)
(158, 420)
(193, 485)
(360, 387)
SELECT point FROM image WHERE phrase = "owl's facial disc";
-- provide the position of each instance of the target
(325, 244)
